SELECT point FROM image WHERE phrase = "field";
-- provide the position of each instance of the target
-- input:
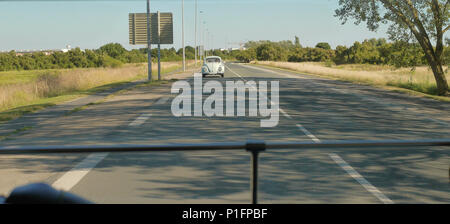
(420, 79)
(28, 91)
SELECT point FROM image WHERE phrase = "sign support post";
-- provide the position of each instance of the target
(149, 44)
(151, 28)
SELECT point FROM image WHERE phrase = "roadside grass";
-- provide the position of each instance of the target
(419, 81)
(23, 92)
(16, 77)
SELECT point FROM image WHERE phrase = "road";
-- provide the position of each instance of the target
(312, 109)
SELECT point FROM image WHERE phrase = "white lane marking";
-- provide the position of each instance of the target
(281, 110)
(438, 121)
(391, 105)
(274, 72)
(162, 100)
(353, 173)
(309, 134)
(140, 120)
(284, 113)
(72, 177)
(235, 73)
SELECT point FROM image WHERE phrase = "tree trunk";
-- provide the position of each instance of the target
(441, 80)
(436, 65)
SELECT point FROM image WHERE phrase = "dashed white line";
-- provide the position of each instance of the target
(391, 106)
(162, 100)
(309, 134)
(353, 173)
(274, 72)
(72, 177)
(438, 121)
(140, 120)
(281, 110)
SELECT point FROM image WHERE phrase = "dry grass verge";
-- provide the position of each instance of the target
(28, 91)
(57, 83)
(421, 79)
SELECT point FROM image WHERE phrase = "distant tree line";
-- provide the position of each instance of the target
(372, 51)
(109, 55)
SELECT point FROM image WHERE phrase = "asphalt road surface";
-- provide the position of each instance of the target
(311, 109)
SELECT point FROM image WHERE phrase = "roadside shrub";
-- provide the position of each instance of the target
(246, 56)
(311, 54)
(341, 55)
(270, 52)
(109, 55)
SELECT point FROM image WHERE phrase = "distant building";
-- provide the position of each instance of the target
(67, 49)
(45, 52)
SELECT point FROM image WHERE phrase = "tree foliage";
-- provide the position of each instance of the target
(323, 45)
(109, 55)
(372, 51)
(420, 21)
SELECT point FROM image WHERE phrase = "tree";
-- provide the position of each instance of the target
(323, 45)
(271, 52)
(297, 42)
(246, 56)
(342, 55)
(425, 20)
(114, 50)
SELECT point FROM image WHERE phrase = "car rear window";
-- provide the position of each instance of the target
(212, 60)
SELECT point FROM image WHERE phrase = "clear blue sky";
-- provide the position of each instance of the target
(90, 24)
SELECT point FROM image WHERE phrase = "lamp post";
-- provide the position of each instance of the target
(201, 46)
(182, 31)
(196, 46)
(204, 39)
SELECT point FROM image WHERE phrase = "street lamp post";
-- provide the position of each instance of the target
(201, 46)
(182, 24)
(196, 46)
(204, 38)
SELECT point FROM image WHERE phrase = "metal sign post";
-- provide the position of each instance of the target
(149, 43)
(151, 28)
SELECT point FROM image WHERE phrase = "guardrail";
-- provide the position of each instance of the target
(254, 147)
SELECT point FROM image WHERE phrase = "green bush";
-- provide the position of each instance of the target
(109, 55)
(246, 56)
(271, 52)
(372, 51)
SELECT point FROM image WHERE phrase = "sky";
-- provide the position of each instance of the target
(53, 24)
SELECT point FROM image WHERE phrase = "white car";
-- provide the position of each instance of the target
(213, 66)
